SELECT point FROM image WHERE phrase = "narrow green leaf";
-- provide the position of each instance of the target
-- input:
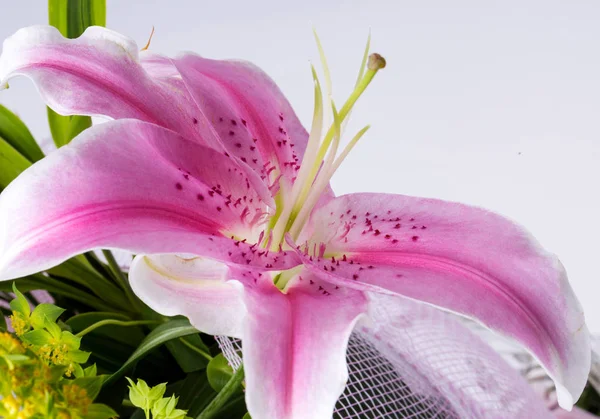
(65, 128)
(222, 400)
(81, 272)
(15, 132)
(12, 163)
(163, 333)
(72, 17)
(196, 393)
(57, 15)
(41, 282)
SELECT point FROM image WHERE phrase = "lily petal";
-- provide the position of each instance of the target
(248, 111)
(294, 347)
(196, 288)
(97, 74)
(131, 185)
(463, 259)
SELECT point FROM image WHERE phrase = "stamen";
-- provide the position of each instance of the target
(149, 40)
(327, 74)
(309, 156)
(373, 66)
(348, 149)
(321, 181)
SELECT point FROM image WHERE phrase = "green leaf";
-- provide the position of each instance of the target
(92, 385)
(247, 416)
(15, 133)
(71, 18)
(144, 397)
(219, 372)
(163, 333)
(80, 271)
(12, 163)
(196, 393)
(90, 371)
(20, 304)
(45, 312)
(188, 359)
(41, 282)
(54, 330)
(100, 411)
(37, 337)
(65, 128)
(234, 408)
(229, 399)
(157, 391)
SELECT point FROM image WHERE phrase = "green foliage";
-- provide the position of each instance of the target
(219, 372)
(40, 371)
(18, 136)
(11, 162)
(41, 334)
(165, 332)
(151, 401)
(72, 17)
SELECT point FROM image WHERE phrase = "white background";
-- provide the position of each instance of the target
(493, 103)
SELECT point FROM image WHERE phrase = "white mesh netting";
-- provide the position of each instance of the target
(413, 361)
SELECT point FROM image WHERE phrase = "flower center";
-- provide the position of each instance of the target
(321, 158)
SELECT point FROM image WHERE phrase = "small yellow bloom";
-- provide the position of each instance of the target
(19, 324)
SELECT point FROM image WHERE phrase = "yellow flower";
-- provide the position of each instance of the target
(10, 344)
(19, 324)
(76, 398)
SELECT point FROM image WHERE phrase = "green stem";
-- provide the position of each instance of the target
(196, 349)
(109, 322)
(224, 395)
(120, 277)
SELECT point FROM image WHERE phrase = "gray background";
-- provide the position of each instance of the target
(492, 103)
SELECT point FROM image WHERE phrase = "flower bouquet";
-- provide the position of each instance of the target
(194, 261)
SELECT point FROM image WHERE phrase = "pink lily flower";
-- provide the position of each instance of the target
(207, 174)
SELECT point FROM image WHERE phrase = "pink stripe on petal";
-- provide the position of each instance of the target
(130, 185)
(294, 347)
(464, 259)
(248, 111)
(96, 74)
